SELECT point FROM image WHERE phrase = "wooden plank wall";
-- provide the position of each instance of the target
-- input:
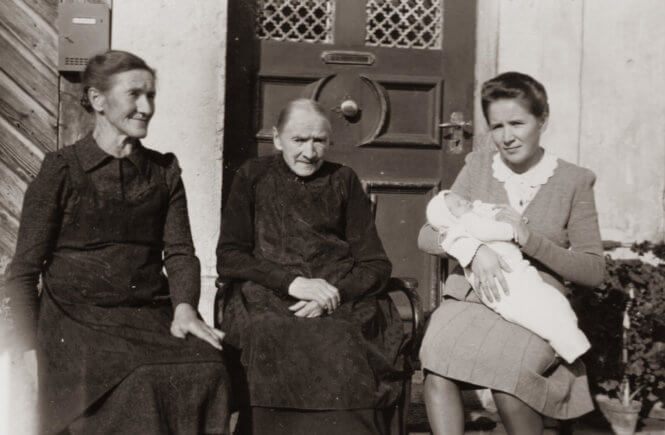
(39, 108)
(28, 104)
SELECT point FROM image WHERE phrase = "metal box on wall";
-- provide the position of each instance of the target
(84, 31)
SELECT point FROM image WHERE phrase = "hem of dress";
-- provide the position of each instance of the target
(319, 408)
(566, 416)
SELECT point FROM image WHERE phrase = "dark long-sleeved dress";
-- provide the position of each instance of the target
(99, 230)
(278, 226)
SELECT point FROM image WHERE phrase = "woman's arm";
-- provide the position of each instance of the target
(41, 219)
(429, 240)
(235, 258)
(583, 263)
(182, 266)
(372, 268)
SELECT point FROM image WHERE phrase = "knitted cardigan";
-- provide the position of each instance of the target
(564, 242)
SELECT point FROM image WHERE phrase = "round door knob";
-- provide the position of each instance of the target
(349, 108)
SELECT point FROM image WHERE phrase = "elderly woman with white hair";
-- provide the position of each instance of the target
(318, 338)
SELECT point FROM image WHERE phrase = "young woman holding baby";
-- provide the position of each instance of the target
(550, 205)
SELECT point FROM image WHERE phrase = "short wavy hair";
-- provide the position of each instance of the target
(515, 85)
(102, 67)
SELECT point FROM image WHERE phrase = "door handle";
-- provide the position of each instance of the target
(454, 132)
(456, 121)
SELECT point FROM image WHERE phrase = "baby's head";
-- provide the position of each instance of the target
(457, 204)
(444, 209)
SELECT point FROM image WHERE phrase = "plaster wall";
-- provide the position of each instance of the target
(187, 47)
(603, 63)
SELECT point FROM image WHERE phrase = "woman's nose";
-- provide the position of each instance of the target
(308, 149)
(144, 105)
(508, 135)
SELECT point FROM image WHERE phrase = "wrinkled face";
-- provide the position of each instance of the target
(303, 141)
(129, 103)
(457, 205)
(516, 133)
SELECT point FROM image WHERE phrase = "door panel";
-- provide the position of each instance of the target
(388, 71)
(398, 206)
(274, 92)
(415, 108)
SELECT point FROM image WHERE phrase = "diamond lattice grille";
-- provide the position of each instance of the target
(296, 20)
(404, 23)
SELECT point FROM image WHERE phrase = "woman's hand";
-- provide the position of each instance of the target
(513, 217)
(186, 321)
(315, 289)
(487, 268)
(309, 309)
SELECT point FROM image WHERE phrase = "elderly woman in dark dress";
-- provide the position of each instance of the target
(121, 348)
(550, 204)
(318, 340)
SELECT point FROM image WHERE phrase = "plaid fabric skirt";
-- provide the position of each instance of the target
(468, 342)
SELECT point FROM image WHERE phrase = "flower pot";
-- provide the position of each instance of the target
(622, 418)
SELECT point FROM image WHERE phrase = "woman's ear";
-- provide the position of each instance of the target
(543, 123)
(275, 139)
(97, 99)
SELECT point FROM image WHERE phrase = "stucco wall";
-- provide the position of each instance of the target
(186, 44)
(603, 63)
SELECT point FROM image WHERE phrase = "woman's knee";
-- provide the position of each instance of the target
(440, 385)
(508, 403)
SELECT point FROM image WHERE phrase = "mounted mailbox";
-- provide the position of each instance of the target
(85, 30)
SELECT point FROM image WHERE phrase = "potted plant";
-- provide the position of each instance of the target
(622, 412)
(627, 359)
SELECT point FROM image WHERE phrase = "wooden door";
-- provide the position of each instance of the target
(390, 72)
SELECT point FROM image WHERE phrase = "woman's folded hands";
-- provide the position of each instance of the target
(316, 297)
(308, 309)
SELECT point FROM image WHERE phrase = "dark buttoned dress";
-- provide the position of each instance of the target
(327, 375)
(99, 230)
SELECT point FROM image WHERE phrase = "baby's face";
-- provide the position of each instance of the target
(457, 205)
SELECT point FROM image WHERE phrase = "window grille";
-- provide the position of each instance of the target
(296, 20)
(404, 23)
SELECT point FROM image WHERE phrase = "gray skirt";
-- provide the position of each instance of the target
(468, 342)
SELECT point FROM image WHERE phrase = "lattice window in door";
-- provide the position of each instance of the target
(404, 23)
(296, 20)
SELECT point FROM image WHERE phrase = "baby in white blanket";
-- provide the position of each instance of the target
(531, 302)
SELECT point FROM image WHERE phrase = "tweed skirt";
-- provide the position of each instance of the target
(468, 342)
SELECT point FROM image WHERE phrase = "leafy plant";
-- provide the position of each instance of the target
(633, 366)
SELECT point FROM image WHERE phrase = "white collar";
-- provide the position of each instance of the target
(535, 176)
